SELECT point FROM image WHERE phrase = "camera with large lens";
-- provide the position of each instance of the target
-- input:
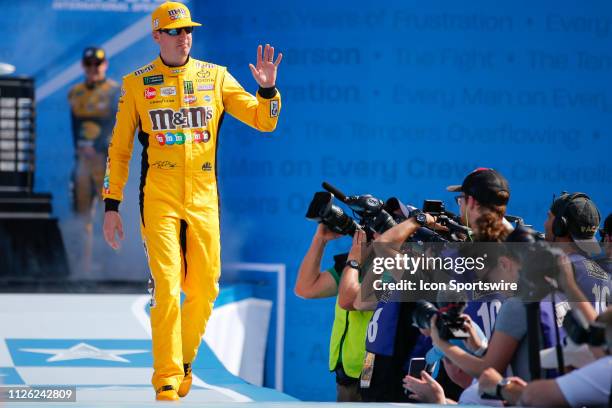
(371, 211)
(581, 331)
(450, 322)
(539, 271)
(322, 209)
(375, 216)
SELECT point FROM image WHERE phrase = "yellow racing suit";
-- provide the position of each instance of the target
(178, 112)
(92, 108)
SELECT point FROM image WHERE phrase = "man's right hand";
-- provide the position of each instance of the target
(112, 223)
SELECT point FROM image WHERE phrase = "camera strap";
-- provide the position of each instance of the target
(558, 346)
(533, 339)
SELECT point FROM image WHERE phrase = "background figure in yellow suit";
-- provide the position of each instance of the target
(92, 111)
(177, 104)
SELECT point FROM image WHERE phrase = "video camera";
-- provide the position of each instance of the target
(539, 271)
(519, 222)
(449, 323)
(377, 216)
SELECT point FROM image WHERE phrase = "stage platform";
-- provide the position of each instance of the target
(101, 345)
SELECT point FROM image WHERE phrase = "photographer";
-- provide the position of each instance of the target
(427, 390)
(388, 330)
(606, 239)
(482, 205)
(606, 231)
(586, 386)
(573, 220)
(484, 196)
(391, 338)
(509, 346)
(347, 340)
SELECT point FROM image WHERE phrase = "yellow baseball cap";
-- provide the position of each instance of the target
(172, 15)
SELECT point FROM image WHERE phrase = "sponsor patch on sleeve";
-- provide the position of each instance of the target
(106, 181)
(274, 108)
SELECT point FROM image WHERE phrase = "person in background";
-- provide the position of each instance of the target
(606, 240)
(92, 110)
(573, 220)
(587, 386)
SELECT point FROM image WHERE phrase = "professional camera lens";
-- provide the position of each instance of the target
(422, 314)
(321, 209)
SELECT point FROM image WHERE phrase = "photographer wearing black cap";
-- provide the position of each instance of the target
(484, 196)
(573, 220)
(482, 204)
(574, 217)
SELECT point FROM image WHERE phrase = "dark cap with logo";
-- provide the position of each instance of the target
(95, 54)
(581, 215)
(486, 185)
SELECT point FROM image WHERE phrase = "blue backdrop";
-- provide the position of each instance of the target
(399, 98)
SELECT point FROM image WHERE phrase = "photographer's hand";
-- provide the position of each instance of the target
(435, 335)
(311, 282)
(431, 222)
(474, 342)
(356, 249)
(324, 234)
(487, 384)
(425, 389)
(349, 282)
(569, 286)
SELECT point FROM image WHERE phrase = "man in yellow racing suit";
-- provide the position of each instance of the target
(177, 104)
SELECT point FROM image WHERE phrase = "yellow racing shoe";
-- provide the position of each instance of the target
(166, 393)
(187, 379)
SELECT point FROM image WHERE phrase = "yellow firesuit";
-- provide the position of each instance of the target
(92, 108)
(178, 112)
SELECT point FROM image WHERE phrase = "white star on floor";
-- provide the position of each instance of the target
(83, 351)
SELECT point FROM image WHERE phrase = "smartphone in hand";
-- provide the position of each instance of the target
(417, 365)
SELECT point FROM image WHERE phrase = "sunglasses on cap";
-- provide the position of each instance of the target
(173, 32)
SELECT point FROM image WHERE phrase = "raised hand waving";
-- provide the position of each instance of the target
(265, 71)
